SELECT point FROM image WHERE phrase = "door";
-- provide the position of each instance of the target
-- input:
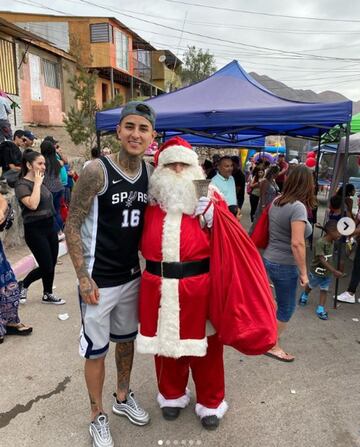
(35, 77)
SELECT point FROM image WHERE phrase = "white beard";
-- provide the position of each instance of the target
(175, 192)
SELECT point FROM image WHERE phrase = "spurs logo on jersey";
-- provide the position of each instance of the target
(114, 224)
(128, 197)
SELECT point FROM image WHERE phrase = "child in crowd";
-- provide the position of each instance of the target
(335, 208)
(321, 268)
(236, 211)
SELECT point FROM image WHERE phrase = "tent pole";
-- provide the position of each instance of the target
(317, 166)
(311, 239)
(98, 135)
(344, 180)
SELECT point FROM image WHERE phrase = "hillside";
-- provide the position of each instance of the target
(287, 92)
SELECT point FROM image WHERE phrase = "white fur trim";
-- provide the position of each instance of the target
(175, 349)
(167, 341)
(202, 411)
(180, 402)
(178, 154)
(171, 237)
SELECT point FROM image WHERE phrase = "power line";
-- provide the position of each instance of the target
(30, 3)
(314, 56)
(293, 53)
(298, 56)
(244, 11)
(237, 26)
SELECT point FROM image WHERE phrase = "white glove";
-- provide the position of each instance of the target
(205, 208)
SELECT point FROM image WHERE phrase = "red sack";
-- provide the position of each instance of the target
(260, 235)
(242, 308)
(64, 210)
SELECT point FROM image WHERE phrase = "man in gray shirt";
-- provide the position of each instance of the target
(5, 127)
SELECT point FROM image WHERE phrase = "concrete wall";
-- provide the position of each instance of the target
(15, 236)
(54, 101)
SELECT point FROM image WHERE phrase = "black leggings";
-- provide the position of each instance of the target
(355, 275)
(254, 200)
(42, 239)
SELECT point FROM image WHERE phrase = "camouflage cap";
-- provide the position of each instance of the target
(141, 109)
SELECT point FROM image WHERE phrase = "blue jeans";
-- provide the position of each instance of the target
(57, 196)
(285, 279)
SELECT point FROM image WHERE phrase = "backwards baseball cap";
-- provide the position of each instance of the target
(30, 135)
(141, 109)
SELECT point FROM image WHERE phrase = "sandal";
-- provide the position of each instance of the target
(19, 329)
(322, 315)
(1, 340)
(280, 356)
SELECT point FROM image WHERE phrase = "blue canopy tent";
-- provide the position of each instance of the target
(230, 103)
(245, 141)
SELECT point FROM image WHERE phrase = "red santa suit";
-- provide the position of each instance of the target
(173, 311)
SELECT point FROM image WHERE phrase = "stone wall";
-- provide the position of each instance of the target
(15, 235)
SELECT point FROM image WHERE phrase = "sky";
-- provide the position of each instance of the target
(315, 46)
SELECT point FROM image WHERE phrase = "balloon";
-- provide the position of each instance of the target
(311, 154)
(310, 162)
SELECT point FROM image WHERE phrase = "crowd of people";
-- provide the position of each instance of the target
(122, 204)
(43, 179)
(265, 187)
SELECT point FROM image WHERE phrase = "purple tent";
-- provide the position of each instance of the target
(231, 103)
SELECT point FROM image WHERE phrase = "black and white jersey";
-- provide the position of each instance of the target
(112, 229)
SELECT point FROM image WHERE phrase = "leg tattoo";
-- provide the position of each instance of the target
(124, 355)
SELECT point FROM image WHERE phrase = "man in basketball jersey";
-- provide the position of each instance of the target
(102, 233)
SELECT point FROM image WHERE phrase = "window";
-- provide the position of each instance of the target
(142, 64)
(7, 67)
(100, 32)
(121, 48)
(51, 74)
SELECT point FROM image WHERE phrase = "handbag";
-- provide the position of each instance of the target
(9, 218)
(260, 236)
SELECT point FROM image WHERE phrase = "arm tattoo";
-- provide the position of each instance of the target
(90, 182)
(124, 355)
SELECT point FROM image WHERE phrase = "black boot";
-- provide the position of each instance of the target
(210, 422)
(170, 413)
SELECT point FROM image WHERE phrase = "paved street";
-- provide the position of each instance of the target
(313, 402)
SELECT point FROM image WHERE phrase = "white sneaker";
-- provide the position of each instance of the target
(131, 409)
(100, 432)
(346, 297)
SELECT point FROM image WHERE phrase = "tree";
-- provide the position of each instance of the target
(80, 121)
(198, 65)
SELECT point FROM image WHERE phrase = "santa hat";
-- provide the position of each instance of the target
(176, 150)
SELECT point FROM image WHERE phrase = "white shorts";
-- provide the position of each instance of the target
(114, 318)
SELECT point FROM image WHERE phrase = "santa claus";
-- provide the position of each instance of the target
(175, 288)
